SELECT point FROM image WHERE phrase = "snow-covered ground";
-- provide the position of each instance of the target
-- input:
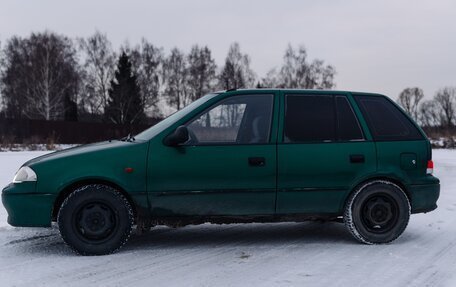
(286, 254)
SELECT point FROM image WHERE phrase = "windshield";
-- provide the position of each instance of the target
(162, 125)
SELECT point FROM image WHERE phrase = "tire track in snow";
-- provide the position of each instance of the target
(128, 259)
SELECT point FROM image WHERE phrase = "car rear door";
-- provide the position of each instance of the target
(323, 150)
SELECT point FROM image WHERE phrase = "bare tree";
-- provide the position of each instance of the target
(40, 76)
(147, 61)
(201, 72)
(323, 76)
(298, 72)
(13, 91)
(410, 99)
(2, 100)
(175, 76)
(99, 67)
(271, 80)
(428, 114)
(446, 100)
(236, 72)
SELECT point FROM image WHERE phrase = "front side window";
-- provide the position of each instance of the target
(236, 120)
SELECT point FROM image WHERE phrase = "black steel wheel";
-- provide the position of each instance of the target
(377, 212)
(95, 220)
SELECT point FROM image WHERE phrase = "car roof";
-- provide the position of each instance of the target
(313, 91)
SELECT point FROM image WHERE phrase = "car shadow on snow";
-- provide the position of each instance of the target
(44, 242)
(267, 234)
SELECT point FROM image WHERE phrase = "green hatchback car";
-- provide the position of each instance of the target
(259, 155)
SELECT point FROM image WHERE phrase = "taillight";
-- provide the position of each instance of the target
(430, 167)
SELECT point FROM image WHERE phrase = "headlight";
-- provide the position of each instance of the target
(25, 173)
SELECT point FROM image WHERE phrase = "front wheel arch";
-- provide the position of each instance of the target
(65, 192)
(95, 220)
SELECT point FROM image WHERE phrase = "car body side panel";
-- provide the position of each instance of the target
(106, 164)
(407, 162)
(316, 178)
(406, 159)
(211, 180)
(59, 170)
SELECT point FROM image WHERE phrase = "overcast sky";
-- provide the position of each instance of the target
(377, 46)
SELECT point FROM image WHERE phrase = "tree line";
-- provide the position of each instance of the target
(53, 77)
(438, 111)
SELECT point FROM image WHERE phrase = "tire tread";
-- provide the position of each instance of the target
(80, 192)
(348, 215)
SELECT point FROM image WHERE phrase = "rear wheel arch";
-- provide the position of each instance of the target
(66, 191)
(392, 180)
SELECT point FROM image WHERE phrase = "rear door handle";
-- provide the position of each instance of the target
(357, 158)
(257, 161)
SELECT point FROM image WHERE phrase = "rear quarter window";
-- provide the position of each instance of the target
(348, 128)
(386, 121)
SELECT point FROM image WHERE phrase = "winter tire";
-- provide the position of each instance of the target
(95, 220)
(377, 212)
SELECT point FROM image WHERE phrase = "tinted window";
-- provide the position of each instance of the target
(238, 119)
(309, 118)
(347, 124)
(385, 120)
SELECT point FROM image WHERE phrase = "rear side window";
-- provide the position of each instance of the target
(348, 128)
(309, 118)
(320, 118)
(386, 122)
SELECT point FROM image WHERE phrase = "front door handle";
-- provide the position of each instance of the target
(257, 161)
(357, 158)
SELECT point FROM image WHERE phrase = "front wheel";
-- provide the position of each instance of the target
(377, 212)
(95, 220)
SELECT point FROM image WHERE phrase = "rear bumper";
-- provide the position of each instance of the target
(27, 209)
(424, 197)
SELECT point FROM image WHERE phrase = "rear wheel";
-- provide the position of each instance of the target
(95, 220)
(377, 212)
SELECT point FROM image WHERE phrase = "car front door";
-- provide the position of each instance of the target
(228, 166)
(322, 152)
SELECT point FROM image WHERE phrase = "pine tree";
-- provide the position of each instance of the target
(124, 104)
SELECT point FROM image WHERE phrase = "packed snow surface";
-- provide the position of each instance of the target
(285, 254)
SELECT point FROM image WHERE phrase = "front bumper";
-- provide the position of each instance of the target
(26, 208)
(424, 197)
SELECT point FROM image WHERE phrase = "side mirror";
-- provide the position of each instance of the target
(179, 136)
